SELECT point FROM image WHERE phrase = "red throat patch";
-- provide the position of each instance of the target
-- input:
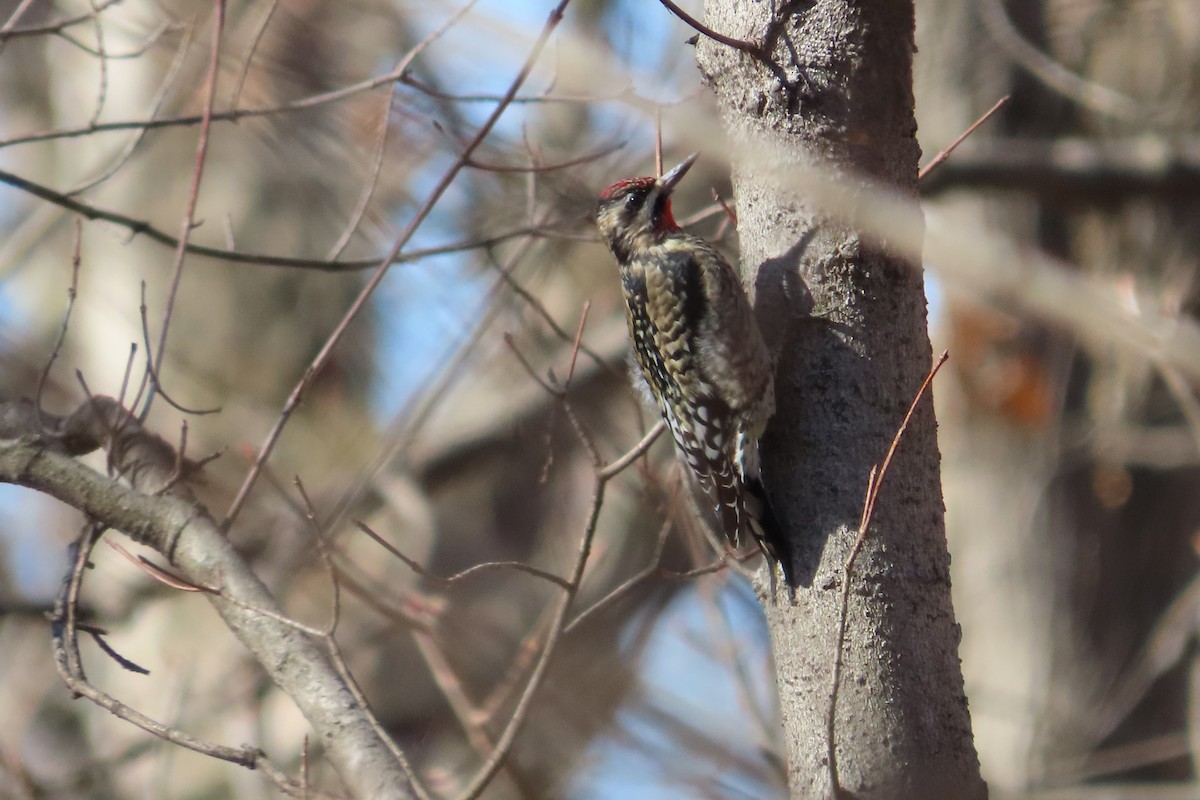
(667, 221)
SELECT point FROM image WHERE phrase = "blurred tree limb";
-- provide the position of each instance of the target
(37, 451)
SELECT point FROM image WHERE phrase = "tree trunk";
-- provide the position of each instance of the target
(849, 324)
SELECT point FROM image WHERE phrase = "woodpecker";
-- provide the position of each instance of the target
(700, 351)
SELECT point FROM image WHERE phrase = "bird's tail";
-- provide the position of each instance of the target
(765, 528)
(743, 508)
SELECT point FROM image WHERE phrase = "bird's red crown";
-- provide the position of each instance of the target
(620, 186)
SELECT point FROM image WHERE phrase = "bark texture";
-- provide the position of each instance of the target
(848, 322)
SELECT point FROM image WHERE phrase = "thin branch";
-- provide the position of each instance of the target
(124, 663)
(406, 613)
(16, 15)
(233, 115)
(558, 617)
(505, 274)
(589, 158)
(72, 293)
(139, 227)
(70, 668)
(746, 47)
(407, 423)
(310, 514)
(502, 690)
(102, 54)
(360, 302)
(581, 433)
(150, 376)
(160, 574)
(637, 451)
(156, 104)
(376, 170)
(255, 40)
(9, 32)
(489, 566)
(189, 215)
(626, 96)
(950, 148)
(128, 373)
(553, 391)
(628, 584)
(730, 214)
(452, 689)
(559, 393)
(368, 190)
(102, 92)
(575, 345)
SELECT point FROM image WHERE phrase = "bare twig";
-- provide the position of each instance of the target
(626, 586)
(255, 40)
(553, 391)
(138, 50)
(945, 152)
(167, 578)
(72, 293)
(637, 451)
(416, 567)
(97, 635)
(150, 377)
(583, 315)
(359, 303)
(160, 574)
(730, 214)
(127, 374)
(156, 104)
(558, 617)
(16, 15)
(310, 514)
(142, 228)
(233, 115)
(70, 667)
(189, 215)
(550, 386)
(102, 91)
(10, 32)
(376, 170)
(368, 191)
(410, 420)
(746, 47)
(535, 169)
(505, 273)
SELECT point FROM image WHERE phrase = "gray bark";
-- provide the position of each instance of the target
(848, 322)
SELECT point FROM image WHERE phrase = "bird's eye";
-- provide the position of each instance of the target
(631, 199)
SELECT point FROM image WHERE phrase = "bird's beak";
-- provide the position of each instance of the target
(666, 183)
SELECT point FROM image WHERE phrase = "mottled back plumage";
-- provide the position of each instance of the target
(696, 342)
